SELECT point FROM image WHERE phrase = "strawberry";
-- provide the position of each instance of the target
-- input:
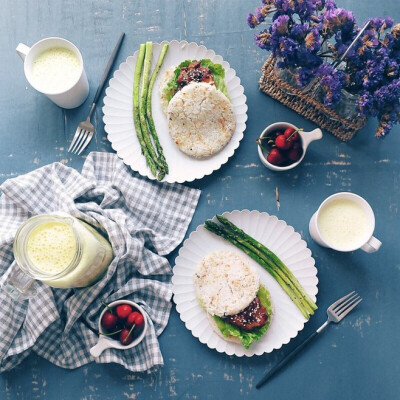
(282, 143)
(275, 157)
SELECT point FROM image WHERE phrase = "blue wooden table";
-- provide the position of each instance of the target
(357, 359)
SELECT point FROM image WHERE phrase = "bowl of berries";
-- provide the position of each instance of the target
(122, 325)
(282, 146)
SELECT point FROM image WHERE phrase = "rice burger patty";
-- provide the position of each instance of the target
(201, 120)
(228, 288)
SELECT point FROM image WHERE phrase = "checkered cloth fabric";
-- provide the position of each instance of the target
(144, 221)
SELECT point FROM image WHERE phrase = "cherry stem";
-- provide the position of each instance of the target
(129, 334)
(297, 130)
(106, 305)
(261, 146)
(109, 334)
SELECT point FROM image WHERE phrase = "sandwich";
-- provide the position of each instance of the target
(228, 288)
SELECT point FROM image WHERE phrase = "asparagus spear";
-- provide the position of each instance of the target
(136, 113)
(218, 230)
(142, 105)
(270, 255)
(150, 120)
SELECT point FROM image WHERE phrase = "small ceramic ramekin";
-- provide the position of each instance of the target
(305, 137)
(106, 342)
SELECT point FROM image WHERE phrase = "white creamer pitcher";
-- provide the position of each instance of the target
(75, 92)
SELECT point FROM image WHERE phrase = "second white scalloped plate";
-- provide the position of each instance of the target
(120, 129)
(279, 237)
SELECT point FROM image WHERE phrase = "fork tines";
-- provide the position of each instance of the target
(79, 141)
(344, 305)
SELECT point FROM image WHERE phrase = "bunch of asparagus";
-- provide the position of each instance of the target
(142, 115)
(267, 259)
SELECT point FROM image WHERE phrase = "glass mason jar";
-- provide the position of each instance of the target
(59, 250)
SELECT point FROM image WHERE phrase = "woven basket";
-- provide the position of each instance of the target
(305, 105)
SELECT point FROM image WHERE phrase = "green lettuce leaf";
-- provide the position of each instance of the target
(216, 69)
(247, 338)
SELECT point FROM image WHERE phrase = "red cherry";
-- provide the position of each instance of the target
(131, 319)
(277, 133)
(275, 157)
(123, 310)
(126, 337)
(282, 143)
(295, 154)
(108, 320)
(291, 135)
(139, 321)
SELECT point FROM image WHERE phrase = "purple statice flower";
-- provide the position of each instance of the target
(331, 82)
(262, 40)
(330, 4)
(288, 47)
(252, 21)
(380, 24)
(305, 8)
(304, 76)
(298, 31)
(263, 11)
(280, 25)
(312, 40)
(396, 32)
(336, 20)
(287, 6)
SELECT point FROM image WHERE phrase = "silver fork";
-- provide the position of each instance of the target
(85, 130)
(336, 312)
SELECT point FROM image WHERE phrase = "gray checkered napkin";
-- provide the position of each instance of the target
(144, 221)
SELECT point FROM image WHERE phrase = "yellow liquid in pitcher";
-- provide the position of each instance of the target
(51, 247)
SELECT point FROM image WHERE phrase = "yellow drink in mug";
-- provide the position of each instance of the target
(61, 251)
(345, 222)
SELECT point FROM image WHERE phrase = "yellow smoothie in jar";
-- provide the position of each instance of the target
(51, 247)
(68, 254)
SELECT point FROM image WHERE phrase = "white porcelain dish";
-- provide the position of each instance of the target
(106, 342)
(279, 237)
(120, 128)
(305, 137)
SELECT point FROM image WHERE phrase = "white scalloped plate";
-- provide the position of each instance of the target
(279, 237)
(120, 129)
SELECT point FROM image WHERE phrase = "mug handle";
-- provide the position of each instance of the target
(22, 50)
(18, 285)
(372, 245)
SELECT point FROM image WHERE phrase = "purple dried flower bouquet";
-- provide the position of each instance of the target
(327, 49)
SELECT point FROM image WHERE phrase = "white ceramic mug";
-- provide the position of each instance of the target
(364, 240)
(76, 93)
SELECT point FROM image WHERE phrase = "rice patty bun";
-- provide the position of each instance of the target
(201, 120)
(225, 283)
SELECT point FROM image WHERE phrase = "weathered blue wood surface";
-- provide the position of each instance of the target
(357, 359)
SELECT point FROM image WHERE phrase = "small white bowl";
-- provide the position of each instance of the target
(107, 342)
(305, 137)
